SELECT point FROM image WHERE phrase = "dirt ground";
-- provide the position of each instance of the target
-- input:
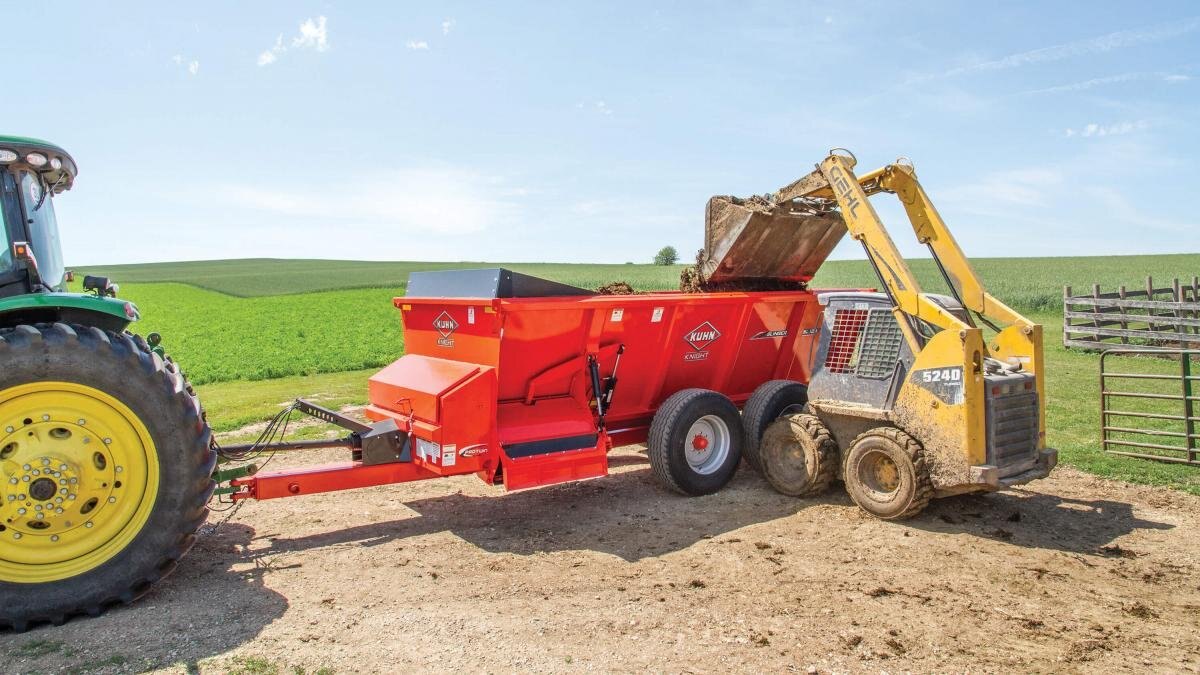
(1071, 573)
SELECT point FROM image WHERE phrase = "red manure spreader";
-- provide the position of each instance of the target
(525, 382)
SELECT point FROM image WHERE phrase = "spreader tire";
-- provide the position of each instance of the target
(886, 474)
(765, 405)
(799, 456)
(695, 441)
(118, 457)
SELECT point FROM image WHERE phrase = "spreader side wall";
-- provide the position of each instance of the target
(728, 342)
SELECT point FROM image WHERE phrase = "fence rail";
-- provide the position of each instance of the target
(1149, 318)
(1151, 410)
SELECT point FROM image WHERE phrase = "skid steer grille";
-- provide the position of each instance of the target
(865, 342)
(880, 345)
(1012, 427)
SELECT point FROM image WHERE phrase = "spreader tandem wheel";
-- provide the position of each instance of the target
(695, 441)
(105, 471)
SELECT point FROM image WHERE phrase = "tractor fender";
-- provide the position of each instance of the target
(74, 308)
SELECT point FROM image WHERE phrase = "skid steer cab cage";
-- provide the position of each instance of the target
(523, 391)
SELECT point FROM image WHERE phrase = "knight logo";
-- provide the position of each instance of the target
(699, 338)
(473, 450)
(445, 325)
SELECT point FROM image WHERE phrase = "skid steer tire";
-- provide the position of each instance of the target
(799, 456)
(764, 406)
(695, 442)
(113, 462)
(886, 474)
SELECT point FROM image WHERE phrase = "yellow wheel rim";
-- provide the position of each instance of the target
(879, 473)
(78, 480)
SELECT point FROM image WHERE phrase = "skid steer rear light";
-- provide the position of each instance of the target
(8, 156)
(36, 159)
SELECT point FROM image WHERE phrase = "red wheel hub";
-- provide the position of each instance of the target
(700, 442)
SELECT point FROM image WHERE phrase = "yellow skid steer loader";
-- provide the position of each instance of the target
(910, 397)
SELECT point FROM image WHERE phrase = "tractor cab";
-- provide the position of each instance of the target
(32, 172)
(33, 276)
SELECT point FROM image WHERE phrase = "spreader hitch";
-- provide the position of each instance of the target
(379, 443)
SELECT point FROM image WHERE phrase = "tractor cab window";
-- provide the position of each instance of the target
(43, 228)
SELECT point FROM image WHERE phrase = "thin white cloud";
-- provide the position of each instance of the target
(447, 26)
(271, 55)
(1095, 130)
(437, 200)
(313, 34)
(1112, 79)
(190, 64)
(1030, 187)
(417, 45)
(1104, 43)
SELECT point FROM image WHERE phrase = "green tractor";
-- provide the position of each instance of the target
(106, 459)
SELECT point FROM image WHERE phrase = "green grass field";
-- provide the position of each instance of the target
(317, 328)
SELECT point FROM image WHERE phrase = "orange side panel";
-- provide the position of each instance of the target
(412, 384)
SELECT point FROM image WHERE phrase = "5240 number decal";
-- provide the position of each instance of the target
(944, 383)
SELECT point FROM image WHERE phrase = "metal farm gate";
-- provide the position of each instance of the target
(1150, 318)
(1149, 403)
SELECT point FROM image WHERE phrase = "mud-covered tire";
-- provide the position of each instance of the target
(764, 406)
(799, 456)
(121, 366)
(673, 443)
(886, 474)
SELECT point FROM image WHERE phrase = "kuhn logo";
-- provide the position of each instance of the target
(445, 325)
(702, 336)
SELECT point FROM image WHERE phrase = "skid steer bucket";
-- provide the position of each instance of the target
(747, 239)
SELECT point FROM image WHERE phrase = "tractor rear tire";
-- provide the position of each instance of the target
(695, 442)
(886, 474)
(112, 462)
(765, 405)
(799, 456)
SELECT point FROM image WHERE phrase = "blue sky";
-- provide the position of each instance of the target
(563, 132)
